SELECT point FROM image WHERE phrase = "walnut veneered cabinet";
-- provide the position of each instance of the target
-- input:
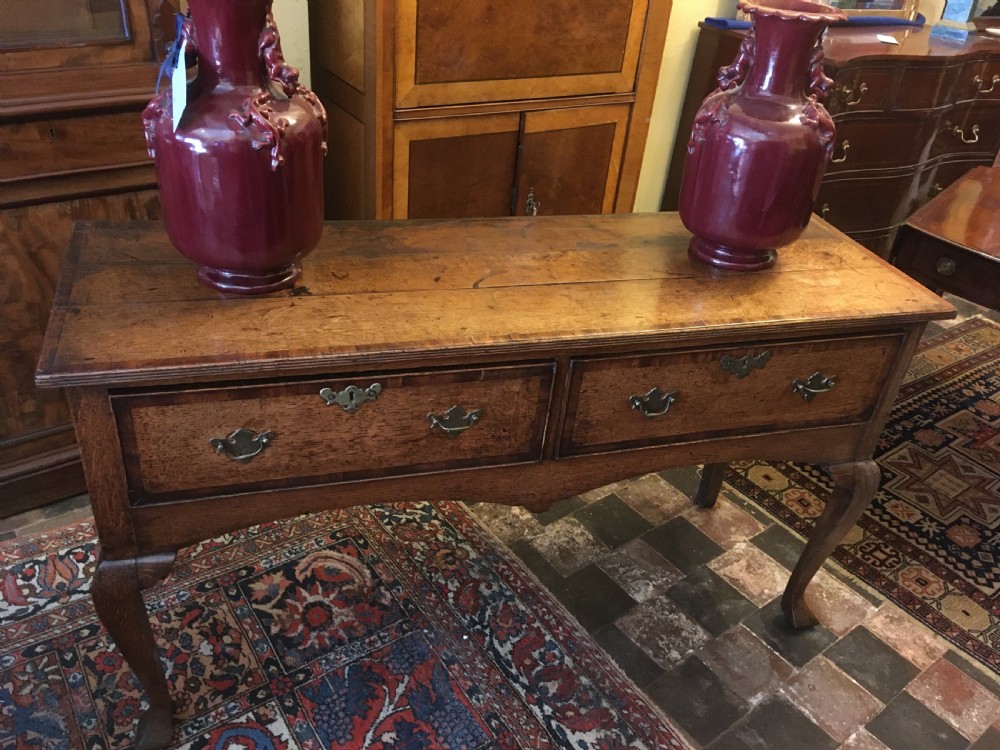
(447, 109)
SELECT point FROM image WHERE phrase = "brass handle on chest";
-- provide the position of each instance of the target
(352, 397)
(959, 132)
(946, 266)
(824, 211)
(812, 386)
(242, 444)
(847, 93)
(743, 366)
(455, 421)
(656, 403)
(844, 148)
(978, 80)
(532, 204)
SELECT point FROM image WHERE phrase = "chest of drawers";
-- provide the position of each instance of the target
(512, 360)
(911, 119)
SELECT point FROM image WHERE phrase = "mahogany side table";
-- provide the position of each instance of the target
(952, 244)
(513, 360)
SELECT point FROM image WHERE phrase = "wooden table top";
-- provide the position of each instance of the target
(129, 309)
(966, 214)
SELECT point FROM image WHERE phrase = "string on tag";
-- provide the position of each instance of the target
(173, 54)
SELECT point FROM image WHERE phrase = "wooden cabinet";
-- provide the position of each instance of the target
(446, 109)
(911, 119)
(74, 78)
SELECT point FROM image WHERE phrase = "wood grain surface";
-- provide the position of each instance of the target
(130, 309)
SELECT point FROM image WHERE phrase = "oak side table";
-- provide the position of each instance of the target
(518, 361)
(952, 244)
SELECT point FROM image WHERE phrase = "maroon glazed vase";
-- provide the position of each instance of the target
(241, 179)
(761, 142)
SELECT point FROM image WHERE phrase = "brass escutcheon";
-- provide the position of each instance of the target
(743, 366)
(352, 397)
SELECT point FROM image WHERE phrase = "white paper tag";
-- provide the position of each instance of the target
(886, 39)
(178, 85)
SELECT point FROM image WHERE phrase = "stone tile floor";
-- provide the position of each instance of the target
(685, 599)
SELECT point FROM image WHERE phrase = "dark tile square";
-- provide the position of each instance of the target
(989, 741)
(979, 675)
(906, 724)
(559, 510)
(686, 479)
(612, 521)
(796, 646)
(729, 741)
(633, 660)
(537, 563)
(696, 699)
(593, 597)
(872, 663)
(6, 534)
(710, 601)
(683, 544)
(776, 724)
(780, 544)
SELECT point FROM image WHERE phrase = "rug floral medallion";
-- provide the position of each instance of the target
(931, 540)
(395, 626)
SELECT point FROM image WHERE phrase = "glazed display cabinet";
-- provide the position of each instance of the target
(911, 119)
(74, 78)
(446, 109)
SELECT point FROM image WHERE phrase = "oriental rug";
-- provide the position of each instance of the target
(930, 542)
(395, 626)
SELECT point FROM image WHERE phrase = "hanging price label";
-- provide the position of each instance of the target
(178, 84)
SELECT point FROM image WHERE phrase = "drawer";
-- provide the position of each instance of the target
(970, 128)
(868, 203)
(604, 412)
(925, 86)
(67, 144)
(173, 440)
(978, 81)
(941, 265)
(881, 142)
(862, 89)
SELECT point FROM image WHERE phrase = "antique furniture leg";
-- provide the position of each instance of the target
(117, 596)
(855, 487)
(711, 483)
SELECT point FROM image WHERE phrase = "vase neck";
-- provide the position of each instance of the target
(227, 33)
(783, 56)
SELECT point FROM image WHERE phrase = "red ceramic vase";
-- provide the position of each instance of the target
(241, 179)
(761, 142)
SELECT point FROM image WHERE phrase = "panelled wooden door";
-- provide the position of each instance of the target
(565, 160)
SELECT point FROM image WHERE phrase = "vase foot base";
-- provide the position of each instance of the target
(249, 282)
(732, 258)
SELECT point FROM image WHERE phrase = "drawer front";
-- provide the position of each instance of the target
(941, 266)
(861, 89)
(606, 413)
(67, 144)
(979, 81)
(878, 142)
(865, 204)
(173, 440)
(969, 129)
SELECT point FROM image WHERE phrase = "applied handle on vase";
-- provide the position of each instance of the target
(242, 444)
(978, 80)
(455, 421)
(352, 397)
(655, 403)
(812, 386)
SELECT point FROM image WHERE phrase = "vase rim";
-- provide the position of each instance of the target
(797, 10)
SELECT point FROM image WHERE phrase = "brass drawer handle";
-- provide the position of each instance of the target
(352, 397)
(959, 132)
(824, 211)
(812, 386)
(656, 403)
(844, 148)
(978, 80)
(743, 366)
(847, 93)
(455, 421)
(242, 444)
(946, 266)
(532, 204)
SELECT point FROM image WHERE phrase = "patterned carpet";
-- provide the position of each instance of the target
(396, 626)
(931, 540)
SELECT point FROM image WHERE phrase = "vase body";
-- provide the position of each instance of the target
(760, 143)
(241, 178)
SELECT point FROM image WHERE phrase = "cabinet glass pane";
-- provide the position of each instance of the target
(32, 23)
